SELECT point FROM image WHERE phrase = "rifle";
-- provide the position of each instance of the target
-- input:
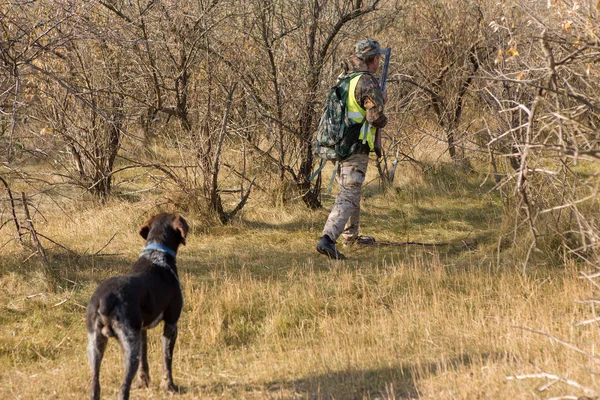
(382, 84)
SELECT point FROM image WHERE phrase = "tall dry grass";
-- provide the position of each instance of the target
(267, 317)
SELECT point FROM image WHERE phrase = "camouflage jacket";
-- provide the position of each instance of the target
(367, 92)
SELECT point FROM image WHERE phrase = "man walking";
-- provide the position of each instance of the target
(365, 105)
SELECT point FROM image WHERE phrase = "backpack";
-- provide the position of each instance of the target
(336, 135)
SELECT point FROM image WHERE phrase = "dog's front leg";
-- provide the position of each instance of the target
(143, 380)
(96, 346)
(168, 342)
(131, 342)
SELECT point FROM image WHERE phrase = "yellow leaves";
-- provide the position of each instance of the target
(46, 131)
(506, 55)
(598, 5)
(567, 25)
(499, 57)
(591, 30)
(521, 76)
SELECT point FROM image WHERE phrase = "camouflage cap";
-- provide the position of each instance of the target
(366, 48)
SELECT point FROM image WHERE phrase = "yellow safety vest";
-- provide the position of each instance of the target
(357, 114)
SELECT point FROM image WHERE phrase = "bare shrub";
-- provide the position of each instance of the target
(545, 121)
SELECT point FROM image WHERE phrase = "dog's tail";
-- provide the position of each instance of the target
(107, 304)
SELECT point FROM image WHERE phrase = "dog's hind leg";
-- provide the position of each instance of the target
(130, 340)
(143, 380)
(96, 346)
(168, 344)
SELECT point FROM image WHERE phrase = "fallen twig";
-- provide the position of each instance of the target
(61, 302)
(590, 278)
(62, 341)
(544, 375)
(588, 321)
(106, 244)
(566, 344)
(53, 241)
(386, 243)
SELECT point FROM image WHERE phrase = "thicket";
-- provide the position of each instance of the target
(232, 91)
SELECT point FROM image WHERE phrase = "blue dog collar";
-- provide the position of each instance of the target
(152, 246)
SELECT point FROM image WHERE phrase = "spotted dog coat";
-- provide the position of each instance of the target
(125, 307)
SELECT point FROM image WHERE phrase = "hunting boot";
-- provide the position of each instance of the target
(327, 246)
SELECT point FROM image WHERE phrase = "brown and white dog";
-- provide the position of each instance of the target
(127, 306)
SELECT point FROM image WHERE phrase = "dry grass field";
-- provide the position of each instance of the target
(113, 111)
(266, 317)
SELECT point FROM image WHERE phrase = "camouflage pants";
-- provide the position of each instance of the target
(344, 217)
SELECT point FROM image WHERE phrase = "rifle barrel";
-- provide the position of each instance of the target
(386, 66)
(382, 84)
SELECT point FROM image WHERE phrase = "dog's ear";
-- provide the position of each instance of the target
(145, 229)
(181, 225)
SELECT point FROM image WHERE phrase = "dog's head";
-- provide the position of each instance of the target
(165, 229)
